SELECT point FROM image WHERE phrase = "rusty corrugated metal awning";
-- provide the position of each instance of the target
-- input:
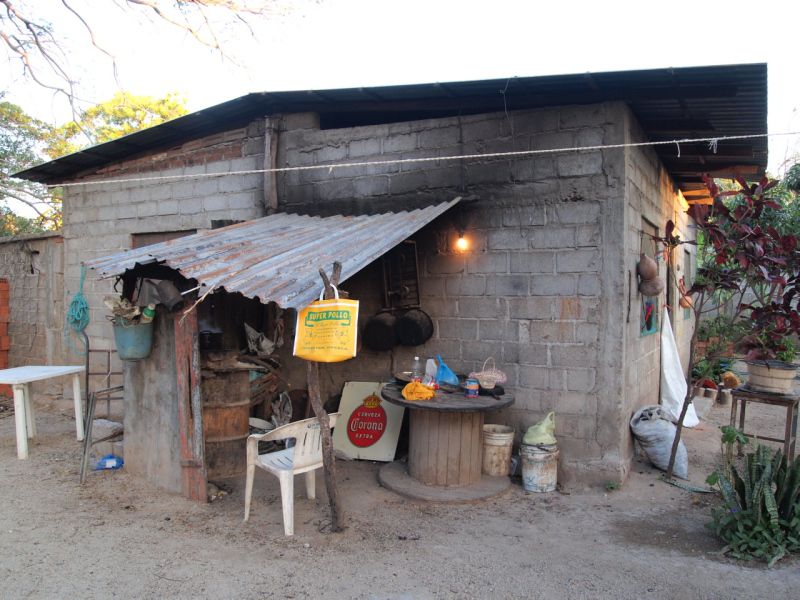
(276, 258)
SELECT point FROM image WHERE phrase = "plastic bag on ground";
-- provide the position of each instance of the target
(543, 433)
(655, 433)
(673, 381)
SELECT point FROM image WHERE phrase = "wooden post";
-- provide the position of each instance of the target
(271, 162)
(337, 515)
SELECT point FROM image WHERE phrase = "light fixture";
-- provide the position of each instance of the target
(462, 244)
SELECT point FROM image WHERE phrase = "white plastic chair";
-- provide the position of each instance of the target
(304, 457)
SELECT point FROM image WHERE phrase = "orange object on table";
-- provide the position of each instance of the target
(416, 391)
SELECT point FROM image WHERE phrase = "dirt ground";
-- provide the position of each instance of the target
(118, 537)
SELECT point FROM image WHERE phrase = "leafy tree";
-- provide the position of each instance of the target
(124, 113)
(20, 137)
(24, 139)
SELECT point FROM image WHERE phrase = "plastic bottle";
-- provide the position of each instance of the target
(148, 313)
(417, 369)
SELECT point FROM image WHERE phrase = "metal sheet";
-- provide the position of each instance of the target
(277, 258)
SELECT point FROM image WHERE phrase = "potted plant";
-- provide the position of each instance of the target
(749, 264)
(770, 355)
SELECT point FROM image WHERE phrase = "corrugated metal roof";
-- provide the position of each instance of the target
(688, 102)
(277, 258)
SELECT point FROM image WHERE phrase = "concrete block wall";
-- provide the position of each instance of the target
(33, 265)
(100, 218)
(539, 289)
(650, 194)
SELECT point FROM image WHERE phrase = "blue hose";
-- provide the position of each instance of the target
(77, 317)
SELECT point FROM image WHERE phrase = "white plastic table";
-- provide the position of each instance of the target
(20, 378)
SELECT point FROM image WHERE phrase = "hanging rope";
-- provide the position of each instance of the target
(77, 317)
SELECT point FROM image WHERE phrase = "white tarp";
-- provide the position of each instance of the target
(673, 381)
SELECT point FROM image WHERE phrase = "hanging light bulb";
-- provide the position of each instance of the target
(462, 244)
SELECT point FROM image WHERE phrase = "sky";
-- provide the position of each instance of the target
(320, 44)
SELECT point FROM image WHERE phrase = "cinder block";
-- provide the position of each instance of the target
(365, 187)
(481, 307)
(438, 137)
(534, 377)
(219, 202)
(553, 237)
(532, 262)
(551, 331)
(498, 329)
(554, 285)
(533, 354)
(582, 116)
(589, 285)
(530, 308)
(479, 351)
(575, 403)
(572, 355)
(588, 235)
(576, 213)
(488, 262)
(400, 143)
(579, 380)
(459, 329)
(578, 261)
(366, 147)
(445, 264)
(508, 285)
(508, 239)
(577, 165)
(466, 285)
(586, 333)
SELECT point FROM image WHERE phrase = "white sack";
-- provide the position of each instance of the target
(673, 381)
(655, 433)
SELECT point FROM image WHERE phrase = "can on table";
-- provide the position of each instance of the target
(471, 388)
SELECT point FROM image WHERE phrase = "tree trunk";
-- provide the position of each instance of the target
(314, 396)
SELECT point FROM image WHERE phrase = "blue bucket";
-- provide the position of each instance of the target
(134, 340)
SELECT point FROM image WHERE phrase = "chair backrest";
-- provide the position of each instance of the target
(308, 442)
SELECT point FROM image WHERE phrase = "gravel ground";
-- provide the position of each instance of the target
(118, 537)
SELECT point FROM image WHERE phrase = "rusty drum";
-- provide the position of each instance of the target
(226, 421)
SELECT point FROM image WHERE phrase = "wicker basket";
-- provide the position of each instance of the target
(489, 376)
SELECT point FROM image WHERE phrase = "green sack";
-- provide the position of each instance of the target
(541, 434)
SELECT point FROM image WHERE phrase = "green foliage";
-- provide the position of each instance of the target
(121, 115)
(759, 516)
(20, 135)
(612, 486)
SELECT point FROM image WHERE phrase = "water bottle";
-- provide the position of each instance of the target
(417, 369)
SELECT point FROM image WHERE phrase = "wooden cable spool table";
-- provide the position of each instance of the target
(445, 448)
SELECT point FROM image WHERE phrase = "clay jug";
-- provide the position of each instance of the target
(647, 268)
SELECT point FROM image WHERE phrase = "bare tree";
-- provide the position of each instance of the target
(36, 43)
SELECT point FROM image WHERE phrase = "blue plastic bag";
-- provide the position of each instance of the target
(109, 461)
(444, 374)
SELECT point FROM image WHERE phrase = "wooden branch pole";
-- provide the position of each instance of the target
(328, 460)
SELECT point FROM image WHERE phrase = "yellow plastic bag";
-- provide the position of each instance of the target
(417, 391)
(327, 330)
(542, 432)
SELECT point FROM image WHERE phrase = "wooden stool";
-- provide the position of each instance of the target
(789, 402)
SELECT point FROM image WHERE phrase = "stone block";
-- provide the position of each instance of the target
(498, 329)
(510, 360)
(191, 206)
(551, 331)
(575, 403)
(587, 333)
(523, 216)
(577, 213)
(580, 380)
(481, 129)
(403, 183)
(457, 329)
(215, 203)
(508, 239)
(445, 264)
(534, 377)
(533, 354)
(331, 154)
(466, 285)
(571, 117)
(589, 285)
(147, 209)
(578, 261)
(532, 262)
(588, 235)
(438, 137)
(508, 285)
(488, 262)
(366, 147)
(480, 351)
(481, 307)
(580, 164)
(530, 308)
(365, 187)
(334, 189)
(553, 237)
(167, 207)
(571, 355)
(554, 285)
(400, 143)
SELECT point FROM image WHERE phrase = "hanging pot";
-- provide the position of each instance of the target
(414, 328)
(651, 287)
(686, 302)
(379, 332)
(647, 268)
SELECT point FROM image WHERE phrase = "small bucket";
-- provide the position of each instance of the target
(497, 441)
(539, 467)
(133, 340)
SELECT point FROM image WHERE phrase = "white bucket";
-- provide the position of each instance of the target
(539, 467)
(497, 441)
